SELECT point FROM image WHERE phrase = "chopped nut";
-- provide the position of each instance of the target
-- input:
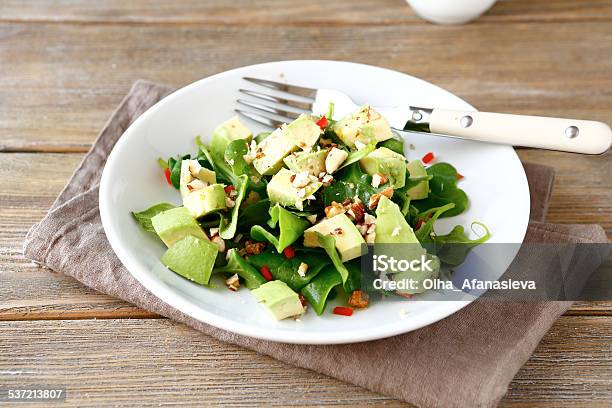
(376, 180)
(358, 299)
(312, 218)
(301, 179)
(369, 219)
(328, 178)
(358, 210)
(334, 209)
(375, 198)
(302, 269)
(334, 159)
(233, 282)
(387, 192)
(254, 248)
(379, 179)
(229, 203)
(219, 242)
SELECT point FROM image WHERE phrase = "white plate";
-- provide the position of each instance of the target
(132, 181)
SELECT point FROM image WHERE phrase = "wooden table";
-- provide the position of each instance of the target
(66, 64)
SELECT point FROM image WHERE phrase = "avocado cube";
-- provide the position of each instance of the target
(391, 226)
(386, 161)
(312, 162)
(347, 236)
(230, 130)
(421, 190)
(304, 131)
(281, 190)
(192, 258)
(279, 299)
(274, 149)
(175, 224)
(194, 176)
(205, 200)
(365, 125)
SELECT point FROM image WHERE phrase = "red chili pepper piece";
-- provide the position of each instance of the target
(265, 272)
(302, 299)
(459, 176)
(289, 252)
(322, 122)
(428, 157)
(419, 224)
(228, 189)
(343, 311)
(167, 173)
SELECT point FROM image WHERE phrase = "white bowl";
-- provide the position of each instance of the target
(450, 11)
(132, 180)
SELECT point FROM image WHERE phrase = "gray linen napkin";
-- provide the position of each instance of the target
(465, 360)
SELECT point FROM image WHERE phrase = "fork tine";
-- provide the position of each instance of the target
(291, 89)
(290, 115)
(259, 118)
(278, 99)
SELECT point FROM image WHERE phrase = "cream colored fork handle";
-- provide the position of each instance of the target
(569, 135)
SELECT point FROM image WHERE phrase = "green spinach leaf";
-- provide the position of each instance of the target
(355, 156)
(444, 190)
(285, 269)
(254, 214)
(317, 291)
(236, 264)
(328, 243)
(290, 226)
(143, 218)
(227, 229)
(453, 248)
(396, 143)
(429, 218)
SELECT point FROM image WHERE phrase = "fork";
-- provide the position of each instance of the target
(276, 103)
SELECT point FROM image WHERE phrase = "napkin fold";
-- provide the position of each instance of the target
(465, 360)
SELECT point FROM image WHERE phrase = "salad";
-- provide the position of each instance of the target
(285, 214)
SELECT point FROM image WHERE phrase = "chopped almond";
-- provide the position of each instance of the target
(302, 269)
(358, 210)
(233, 282)
(219, 242)
(334, 209)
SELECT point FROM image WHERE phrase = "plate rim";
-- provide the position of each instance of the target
(187, 307)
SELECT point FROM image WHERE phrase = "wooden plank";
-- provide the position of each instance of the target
(72, 76)
(31, 293)
(146, 362)
(316, 12)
